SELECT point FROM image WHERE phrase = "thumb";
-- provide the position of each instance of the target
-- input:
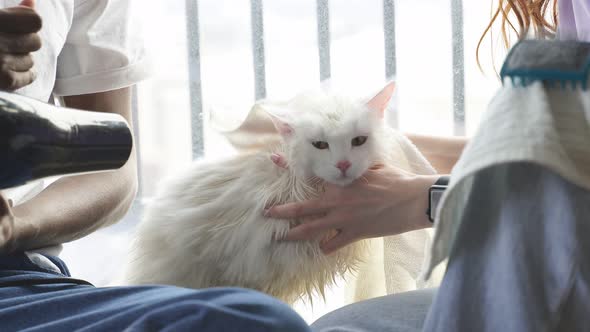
(28, 3)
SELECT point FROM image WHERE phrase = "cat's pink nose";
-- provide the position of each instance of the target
(343, 165)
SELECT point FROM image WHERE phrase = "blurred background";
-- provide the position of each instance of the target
(219, 56)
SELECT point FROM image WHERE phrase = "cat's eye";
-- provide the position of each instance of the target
(320, 145)
(359, 140)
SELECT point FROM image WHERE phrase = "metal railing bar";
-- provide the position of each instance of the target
(323, 21)
(458, 67)
(258, 49)
(194, 72)
(390, 51)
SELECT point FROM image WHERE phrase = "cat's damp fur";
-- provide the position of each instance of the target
(205, 226)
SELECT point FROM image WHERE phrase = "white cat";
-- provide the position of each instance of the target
(206, 228)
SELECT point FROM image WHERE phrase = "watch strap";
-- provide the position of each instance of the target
(434, 194)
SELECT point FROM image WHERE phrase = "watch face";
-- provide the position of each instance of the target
(435, 196)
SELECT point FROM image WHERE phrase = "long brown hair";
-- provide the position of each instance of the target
(529, 14)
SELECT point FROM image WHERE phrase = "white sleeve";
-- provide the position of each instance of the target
(103, 50)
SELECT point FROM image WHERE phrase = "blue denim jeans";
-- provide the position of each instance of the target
(36, 296)
(521, 263)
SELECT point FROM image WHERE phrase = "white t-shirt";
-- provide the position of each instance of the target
(89, 46)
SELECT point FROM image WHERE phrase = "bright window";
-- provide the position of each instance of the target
(222, 33)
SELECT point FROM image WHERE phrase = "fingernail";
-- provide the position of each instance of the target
(275, 157)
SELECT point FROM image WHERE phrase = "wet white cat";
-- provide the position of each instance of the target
(206, 227)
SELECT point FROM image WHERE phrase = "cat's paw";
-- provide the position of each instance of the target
(279, 160)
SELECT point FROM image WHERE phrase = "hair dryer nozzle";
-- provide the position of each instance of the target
(39, 140)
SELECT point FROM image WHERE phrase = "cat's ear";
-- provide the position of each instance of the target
(379, 103)
(282, 126)
(279, 120)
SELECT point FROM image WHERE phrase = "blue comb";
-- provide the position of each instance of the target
(556, 63)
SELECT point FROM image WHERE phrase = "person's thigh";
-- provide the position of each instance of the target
(48, 303)
(404, 312)
(520, 260)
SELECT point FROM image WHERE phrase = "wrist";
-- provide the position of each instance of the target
(24, 232)
(7, 237)
(421, 202)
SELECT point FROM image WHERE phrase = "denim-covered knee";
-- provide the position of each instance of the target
(267, 312)
(402, 312)
(216, 309)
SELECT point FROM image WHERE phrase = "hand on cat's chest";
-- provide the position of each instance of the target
(321, 236)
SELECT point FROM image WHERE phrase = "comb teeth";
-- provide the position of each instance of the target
(553, 62)
(523, 81)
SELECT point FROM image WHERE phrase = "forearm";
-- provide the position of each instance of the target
(75, 206)
(442, 152)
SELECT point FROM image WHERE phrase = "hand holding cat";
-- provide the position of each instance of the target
(385, 201)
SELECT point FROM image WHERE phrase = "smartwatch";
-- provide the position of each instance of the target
(435, 193)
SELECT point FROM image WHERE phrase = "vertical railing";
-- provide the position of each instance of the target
(323, 30)
(257, 20)
(136, 141)
(323, 21)
(194, 73)
(458, 67)
(390, 51)
(389, 34)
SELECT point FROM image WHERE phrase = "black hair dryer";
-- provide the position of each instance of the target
(39, 140)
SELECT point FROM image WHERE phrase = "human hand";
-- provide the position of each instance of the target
(18, 39)
(6, 226)
(385, 201)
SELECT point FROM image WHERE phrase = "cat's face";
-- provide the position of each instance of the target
(339, 152)
(333, 138)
